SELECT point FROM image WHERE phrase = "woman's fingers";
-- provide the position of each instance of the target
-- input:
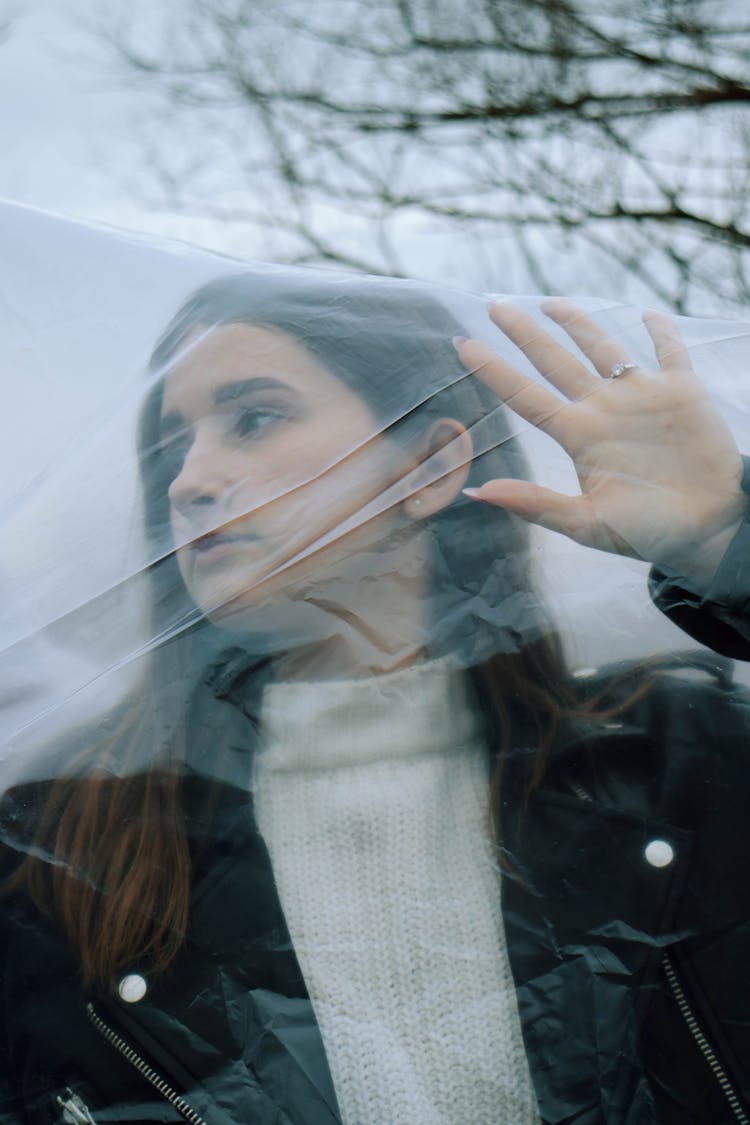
(549, 357)
(528, 399)
(641, 493)
(670, 350)
(534, 503)
(572, 516)
(601, 349)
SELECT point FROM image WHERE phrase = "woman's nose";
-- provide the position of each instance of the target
(203, 479)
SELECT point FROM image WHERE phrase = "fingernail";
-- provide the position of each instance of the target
(472, 493)
(457, 341)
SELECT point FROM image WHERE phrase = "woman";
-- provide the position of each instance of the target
(274, 895)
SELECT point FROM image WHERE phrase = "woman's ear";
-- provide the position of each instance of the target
(443, 459)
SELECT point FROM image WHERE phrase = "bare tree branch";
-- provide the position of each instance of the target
(555, 127)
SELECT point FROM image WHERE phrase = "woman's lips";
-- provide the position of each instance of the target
(216, 545)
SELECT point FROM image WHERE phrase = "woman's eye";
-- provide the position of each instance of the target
(254, 420)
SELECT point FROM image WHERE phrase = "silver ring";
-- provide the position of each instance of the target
(619, 369)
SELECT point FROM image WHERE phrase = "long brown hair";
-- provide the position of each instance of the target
(110, 861)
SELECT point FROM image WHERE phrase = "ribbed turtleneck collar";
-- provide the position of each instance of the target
(326, 725)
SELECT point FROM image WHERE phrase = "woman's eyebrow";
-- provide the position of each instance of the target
(173, 422)
(238, 387)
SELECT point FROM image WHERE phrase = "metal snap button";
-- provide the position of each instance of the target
(132, 988)
(659, 853)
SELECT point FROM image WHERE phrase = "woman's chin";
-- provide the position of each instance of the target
(266, 622)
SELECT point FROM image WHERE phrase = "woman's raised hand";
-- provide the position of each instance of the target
(658, 469)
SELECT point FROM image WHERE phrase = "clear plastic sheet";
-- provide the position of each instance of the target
(333, 791)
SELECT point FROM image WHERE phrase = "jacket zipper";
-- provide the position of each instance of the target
(142, 1067)
(688, 1015)
(702, 1042)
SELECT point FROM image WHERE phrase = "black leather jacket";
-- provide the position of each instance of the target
(628, 916)
(627, 913)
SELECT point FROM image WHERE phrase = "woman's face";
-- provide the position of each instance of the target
(273, 454)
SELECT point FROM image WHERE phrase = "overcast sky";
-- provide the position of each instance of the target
(68, 129)
(70, 140)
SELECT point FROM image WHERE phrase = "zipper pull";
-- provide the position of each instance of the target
(74, 1109)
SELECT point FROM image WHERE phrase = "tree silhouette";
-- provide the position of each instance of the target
(571, 143)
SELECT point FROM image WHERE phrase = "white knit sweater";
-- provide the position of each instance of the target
(372, 799)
